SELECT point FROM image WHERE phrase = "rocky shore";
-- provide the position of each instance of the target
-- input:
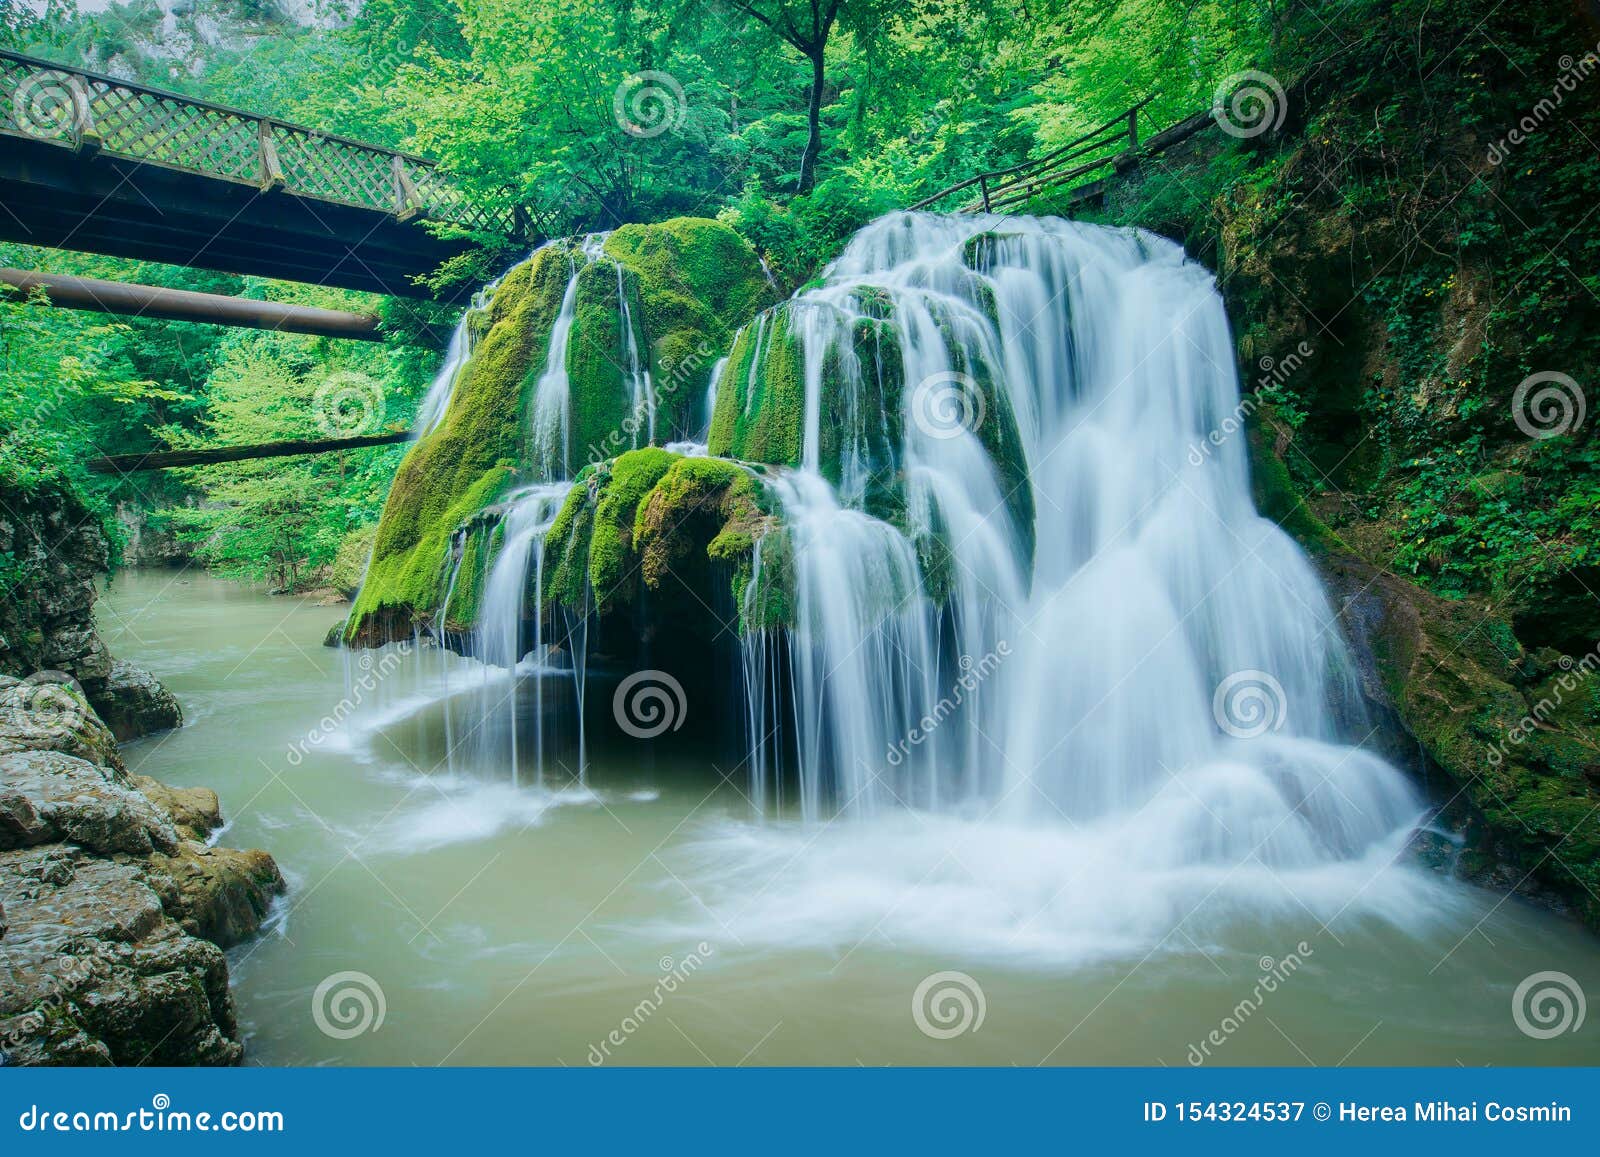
(114, 910)
(114, 907)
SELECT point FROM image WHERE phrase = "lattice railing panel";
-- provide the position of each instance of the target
(98, 113)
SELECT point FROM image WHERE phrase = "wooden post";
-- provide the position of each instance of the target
(1133, 129)
(406, 202)
(983, 185)
(85, 137)
(271, 171)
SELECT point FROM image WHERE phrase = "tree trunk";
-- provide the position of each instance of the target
(808, 160)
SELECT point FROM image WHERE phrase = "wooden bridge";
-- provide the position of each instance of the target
(101, 165)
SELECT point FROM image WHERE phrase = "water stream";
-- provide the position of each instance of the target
(511, 926)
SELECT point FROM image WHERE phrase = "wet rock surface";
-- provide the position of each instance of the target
(134, 703)
(113, 909)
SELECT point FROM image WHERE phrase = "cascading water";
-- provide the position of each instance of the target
(500, 640)
(1150, 666)
(457, 353)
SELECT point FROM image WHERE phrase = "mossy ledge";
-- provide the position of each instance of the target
(1505, 746)
(657, 526)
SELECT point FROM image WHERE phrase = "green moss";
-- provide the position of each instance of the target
(468, 459)
(350, 563)
(696, 282)
(612, 556)
(656, 521)
(760, 417)
(704, 505)
(481, 544)
(601, 400)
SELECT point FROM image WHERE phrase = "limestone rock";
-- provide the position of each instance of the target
(48, 712)
(195, 811)
(78, 802)
(134, 703)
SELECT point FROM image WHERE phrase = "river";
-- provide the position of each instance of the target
(650, 920)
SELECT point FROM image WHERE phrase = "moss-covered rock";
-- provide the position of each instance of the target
(685, 286)
(468, 459)
(760, 414)
(657, 523)
(350, 563)
(696, 283)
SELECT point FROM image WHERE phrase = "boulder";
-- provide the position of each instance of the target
(134, 703)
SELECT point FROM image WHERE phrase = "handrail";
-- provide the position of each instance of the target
(92, 113)
(1000, 187)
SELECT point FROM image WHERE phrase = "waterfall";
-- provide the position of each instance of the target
(457, 353)
(1109, 636)
(500, 639)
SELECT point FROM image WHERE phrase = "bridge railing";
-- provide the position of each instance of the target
(91, 113)
(998, 189)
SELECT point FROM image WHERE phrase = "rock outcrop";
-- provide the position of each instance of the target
(52, 549)
(684, 287)
(115, 909)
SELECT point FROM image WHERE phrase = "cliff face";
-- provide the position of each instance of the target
(52, 551)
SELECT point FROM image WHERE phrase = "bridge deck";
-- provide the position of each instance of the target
(101, 165)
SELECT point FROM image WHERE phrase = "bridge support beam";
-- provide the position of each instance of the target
(185, 305)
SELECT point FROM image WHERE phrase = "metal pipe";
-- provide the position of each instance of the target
(168, 459)
(91, 293)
